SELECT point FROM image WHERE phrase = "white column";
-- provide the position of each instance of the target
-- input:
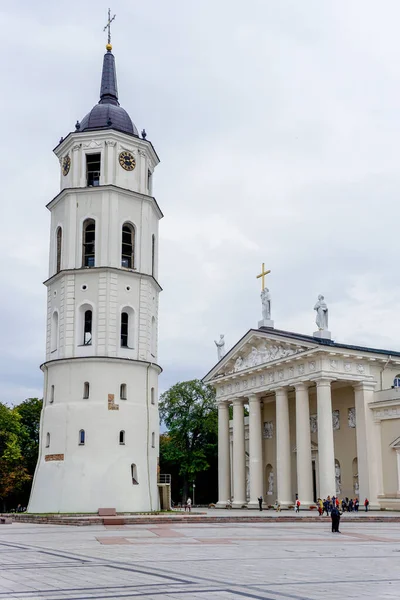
(239, 457)
(224, 470)
(326, 452)
(255, 451)
(369, 451)
(283, 454)
(303, 444)
(398, 470)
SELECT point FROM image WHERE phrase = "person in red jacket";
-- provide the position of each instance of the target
(366, 504)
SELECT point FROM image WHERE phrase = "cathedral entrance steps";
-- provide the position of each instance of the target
(205, 518)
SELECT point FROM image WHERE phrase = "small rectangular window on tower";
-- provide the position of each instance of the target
(93, 162)
(149, 182)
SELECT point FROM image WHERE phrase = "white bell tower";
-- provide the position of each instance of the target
(99, 427)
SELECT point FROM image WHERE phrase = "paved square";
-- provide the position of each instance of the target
(297, 561)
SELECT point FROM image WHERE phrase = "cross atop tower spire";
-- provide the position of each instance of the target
(108, 26)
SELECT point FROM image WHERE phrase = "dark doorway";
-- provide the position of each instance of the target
(314, 481)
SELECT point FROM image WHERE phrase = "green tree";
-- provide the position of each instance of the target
(13, 472)
(30, 411)
(189, 412)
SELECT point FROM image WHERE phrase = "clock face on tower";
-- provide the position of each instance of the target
(127, 161)
(66, 164)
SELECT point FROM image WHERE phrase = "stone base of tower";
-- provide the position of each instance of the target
(62, 489)
(116, 465)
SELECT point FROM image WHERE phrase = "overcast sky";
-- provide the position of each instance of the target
(278, 125)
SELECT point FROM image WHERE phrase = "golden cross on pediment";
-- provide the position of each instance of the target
(262, 275)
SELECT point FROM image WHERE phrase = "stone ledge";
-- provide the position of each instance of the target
(193, 518)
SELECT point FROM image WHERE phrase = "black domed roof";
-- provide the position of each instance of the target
(108, 114)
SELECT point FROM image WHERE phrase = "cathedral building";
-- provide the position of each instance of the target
(99, 428)
(323, 418)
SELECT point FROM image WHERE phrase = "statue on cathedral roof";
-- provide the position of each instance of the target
(220, 346)
(322, 313)
(266, 304)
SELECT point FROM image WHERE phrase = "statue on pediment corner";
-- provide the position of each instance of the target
(220, 346)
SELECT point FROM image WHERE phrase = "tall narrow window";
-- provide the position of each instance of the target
(153, 254)
(134, 474)
(153, 440)
(122, 437)
(89, 243)
(58, 249)
(149, 182)
(152, 395)
(47, 440)
(87, 328)
(52, 394)
(54, 332)
(82, 437)
(86, 389)
(124, 329)
(128, 246)
(122, 391)
(93, 162)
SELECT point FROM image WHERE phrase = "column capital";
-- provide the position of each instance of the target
(302, 385)
(364, 385)
(223, 405)
(323, 381)
(254, 398)
(238, 401)
(281, 391)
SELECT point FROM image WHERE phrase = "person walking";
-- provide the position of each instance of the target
(335, 516)
(356, 504)
(320, 507)
(366, 504)
(297, 505)
(260, 501)
(188, 504)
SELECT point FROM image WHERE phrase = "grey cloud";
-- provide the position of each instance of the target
(277, 124)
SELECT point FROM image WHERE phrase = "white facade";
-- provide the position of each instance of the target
(324, 420)
(100, 426)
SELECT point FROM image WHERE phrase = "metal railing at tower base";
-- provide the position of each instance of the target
(164, 489)
(164, 478)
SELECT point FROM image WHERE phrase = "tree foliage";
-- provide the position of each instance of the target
(189, 412)
(19, 443)
(29, 411)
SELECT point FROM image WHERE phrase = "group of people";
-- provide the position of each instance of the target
(346, 505)
(19, 509)
(335, 508)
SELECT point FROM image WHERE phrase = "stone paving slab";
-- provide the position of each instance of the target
(267, 561)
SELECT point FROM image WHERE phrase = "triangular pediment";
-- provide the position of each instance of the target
(257, 348)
